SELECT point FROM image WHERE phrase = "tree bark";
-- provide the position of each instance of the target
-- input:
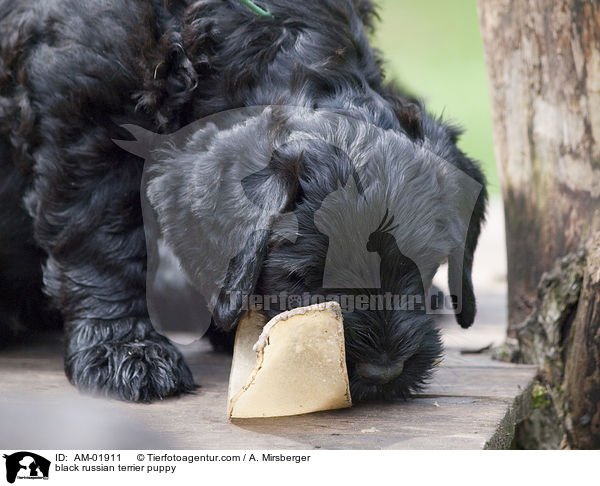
(582, 371)
(543, 60)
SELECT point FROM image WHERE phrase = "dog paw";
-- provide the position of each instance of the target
(139, 371)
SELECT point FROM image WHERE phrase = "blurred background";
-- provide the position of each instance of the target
(433, 48)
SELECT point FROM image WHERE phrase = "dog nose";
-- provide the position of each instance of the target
(379, 374)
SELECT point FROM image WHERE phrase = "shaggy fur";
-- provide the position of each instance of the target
(72, 71)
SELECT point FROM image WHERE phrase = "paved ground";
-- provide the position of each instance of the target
(469, 402)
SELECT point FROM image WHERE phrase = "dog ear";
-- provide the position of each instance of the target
(461, 287)
(216, 200)
(468, 193)
(460, 262)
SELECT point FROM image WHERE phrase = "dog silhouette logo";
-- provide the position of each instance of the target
(220, 193)
(236, 182)
(26, 465)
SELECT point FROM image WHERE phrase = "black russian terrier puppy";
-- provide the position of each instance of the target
(73, 71)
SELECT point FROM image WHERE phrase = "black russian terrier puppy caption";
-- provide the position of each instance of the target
(367, 174)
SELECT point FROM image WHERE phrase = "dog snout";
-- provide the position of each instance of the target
(379, 374)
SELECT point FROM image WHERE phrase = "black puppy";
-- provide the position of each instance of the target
(71, 72)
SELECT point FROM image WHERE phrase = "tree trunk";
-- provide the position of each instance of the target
(543, 59)
(582, 371)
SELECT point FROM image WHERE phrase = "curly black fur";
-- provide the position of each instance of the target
(72, 71)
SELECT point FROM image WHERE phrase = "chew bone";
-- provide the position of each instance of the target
(298, 364)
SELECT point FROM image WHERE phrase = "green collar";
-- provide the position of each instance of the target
(256, 9)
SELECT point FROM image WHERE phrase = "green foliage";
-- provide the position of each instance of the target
(434, 49)
(540, 398)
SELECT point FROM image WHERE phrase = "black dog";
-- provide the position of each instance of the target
(72, 71)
